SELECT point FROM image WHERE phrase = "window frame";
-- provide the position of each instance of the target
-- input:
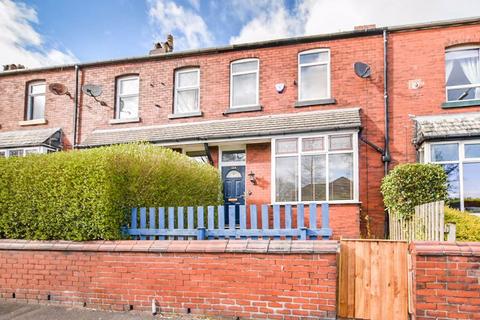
(39, 150)
(300, 65)
(176, 89)
(462, 86)
(354, 151)
(232, 74)
(119, 95)
(29, 110)
(461, 160)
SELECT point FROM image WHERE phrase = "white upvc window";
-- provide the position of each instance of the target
(314, 75)
(462, 73)
(187, 91)
(127, 97)
(461, 162)
(22, 152)
(36, 100)
(244, 83)
(319, 168)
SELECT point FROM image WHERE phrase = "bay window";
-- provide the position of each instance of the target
(244, 83)
(462, 74)
(187, 91)
(127, 97)
(314, 75)
(314, 169)
(461, 162)
(36, 100)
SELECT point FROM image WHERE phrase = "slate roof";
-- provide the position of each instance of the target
(304, 122)
(26, 138)
(461, 125)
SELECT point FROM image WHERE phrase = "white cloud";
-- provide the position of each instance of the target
(20, 43)
(188, 27)
(274, 19)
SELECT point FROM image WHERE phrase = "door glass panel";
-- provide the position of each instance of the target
(453, 180)
(445, 152)
(340, 176)
(314, 178)
(472, 150)
(471, 192)
(233, 174)
(286, 179)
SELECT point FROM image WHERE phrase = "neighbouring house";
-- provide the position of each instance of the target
(286, 121)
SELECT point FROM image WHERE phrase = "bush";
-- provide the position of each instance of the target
(468, 225)
(409, 185)
(87, 194)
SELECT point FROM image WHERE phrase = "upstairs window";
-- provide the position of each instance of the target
(36, 100)
(462, 73)
(187, 91)
(127, 97)
(244, 83)
(314, 75)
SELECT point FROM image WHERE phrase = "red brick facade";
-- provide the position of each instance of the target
(413, 54)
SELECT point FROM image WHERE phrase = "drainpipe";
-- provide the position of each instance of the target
(386, 156)
(75, 108)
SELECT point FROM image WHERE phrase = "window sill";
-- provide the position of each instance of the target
(185, 115)
(309, 103)
(459, 104)
(121, 121)
(32, 122)
(243, 109)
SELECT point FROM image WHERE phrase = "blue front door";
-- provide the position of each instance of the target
(233, 189)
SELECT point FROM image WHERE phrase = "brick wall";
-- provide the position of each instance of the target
(260, 279)
(447, 280)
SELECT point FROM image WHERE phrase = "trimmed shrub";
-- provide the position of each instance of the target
(468, 225)
(409, 185)
(87, 194)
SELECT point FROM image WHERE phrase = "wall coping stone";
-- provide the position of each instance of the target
(435, 248)
(180, 246)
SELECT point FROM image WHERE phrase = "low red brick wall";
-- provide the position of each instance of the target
(253, 279)
(447, 280)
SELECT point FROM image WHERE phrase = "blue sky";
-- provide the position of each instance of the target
(45, 32)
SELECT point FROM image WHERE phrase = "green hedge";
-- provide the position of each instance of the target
(409, 185)
(468, 225)
(87, 194)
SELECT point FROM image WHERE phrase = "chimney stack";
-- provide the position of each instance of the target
(162, 47)
(365, 27)
(13, 66)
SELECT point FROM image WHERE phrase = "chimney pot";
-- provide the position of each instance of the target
(162, 47)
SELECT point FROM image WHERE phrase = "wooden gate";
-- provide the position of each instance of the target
(373, 280)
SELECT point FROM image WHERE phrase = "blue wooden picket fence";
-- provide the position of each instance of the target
(169, 223)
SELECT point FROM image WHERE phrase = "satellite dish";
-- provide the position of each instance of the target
(362, 69)
(58, 89)
(92, 90)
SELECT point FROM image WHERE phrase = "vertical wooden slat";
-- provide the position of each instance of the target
(133, 220)
(442, 221)
(161, 221)
(253, 218)
(265, 218)
(211, 220)
(243, 219)
(276, 220)
(143, 221)
(151, 224)
(375, 271)
(313, 218)
(231, 219)
(221, 220)
(342, 302)
(325, 218)
(288, 218)
(180, 225)
(200, 218)
(190, 224)
(351, 279)
(171, 220)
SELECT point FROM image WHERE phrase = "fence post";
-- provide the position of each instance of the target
(452, 232)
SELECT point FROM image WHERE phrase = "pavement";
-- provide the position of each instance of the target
(22, 311)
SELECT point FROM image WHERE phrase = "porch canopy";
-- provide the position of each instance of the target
(234, 128)
(444, 127)
(50, 137)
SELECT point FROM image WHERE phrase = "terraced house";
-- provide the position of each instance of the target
(319, 118)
